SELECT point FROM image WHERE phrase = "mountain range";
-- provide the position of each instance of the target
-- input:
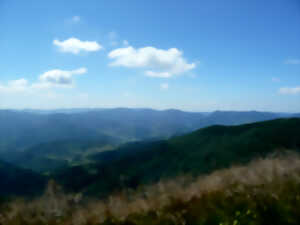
(200, 152)
(44, 140)
(100, 151)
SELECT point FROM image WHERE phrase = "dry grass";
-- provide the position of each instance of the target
(57, 208)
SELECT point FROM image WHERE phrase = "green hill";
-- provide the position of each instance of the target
(24, 129)
(47, 140)
(196, 153)
(15, 181)
(46, 157)
(262, 192)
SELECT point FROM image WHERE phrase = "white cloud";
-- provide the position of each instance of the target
(14, 86)
(60, 77)
(150, 73)
(289, 90)
(275, 79)
(164, 86)
(293, 61)
(18, 83)
(75, 46)
(51, 79)
(156, 62)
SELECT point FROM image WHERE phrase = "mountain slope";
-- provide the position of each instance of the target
(49, 156)
(44, 141)
(237, 118)
(23, 129)
(200, 152)
(15, 181)
(262, 192)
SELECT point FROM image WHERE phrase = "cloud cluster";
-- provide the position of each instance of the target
(14, 86)
(51, 79)
(156, 62)
(75, 46)
(289, 90)
(60, 77)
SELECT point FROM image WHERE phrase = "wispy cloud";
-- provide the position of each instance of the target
(75, 46)
(14, 86)
(292, 61)
(156, 62)
(290, 90)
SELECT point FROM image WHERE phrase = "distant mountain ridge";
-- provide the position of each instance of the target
(22, 129)
(32, 138)
(138, 163)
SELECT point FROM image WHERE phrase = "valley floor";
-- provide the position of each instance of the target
(266, 191)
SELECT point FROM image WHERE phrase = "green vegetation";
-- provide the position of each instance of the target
(200, 152)
(263, 192)
(23, 129)
(44, 141)
(15, 181)
(199, 178)
(145, 163)
(47, 157)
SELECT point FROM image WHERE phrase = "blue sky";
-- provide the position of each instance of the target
(192, 55)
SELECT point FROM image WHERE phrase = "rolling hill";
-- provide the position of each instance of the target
(47, 140)
(24, 129)
(16, 181)
(46, 157)
(199, 152)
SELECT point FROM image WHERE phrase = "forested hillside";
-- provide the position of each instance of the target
(20, 182)
(47, 140)
(200, 152)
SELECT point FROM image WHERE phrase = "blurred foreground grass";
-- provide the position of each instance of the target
(266, 191)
